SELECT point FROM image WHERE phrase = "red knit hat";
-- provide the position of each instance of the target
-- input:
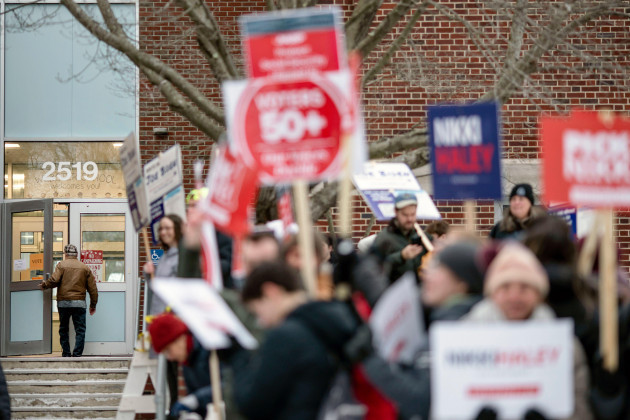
(164, 329)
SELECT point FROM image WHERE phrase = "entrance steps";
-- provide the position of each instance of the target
(71, 388)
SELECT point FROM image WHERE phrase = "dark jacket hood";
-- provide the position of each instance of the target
(332, 322)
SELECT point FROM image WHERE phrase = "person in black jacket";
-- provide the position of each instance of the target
(169, 335)
(518, 215)
(5, 401)
(290, 374)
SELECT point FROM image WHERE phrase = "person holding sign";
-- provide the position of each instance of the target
(74, 280)
(399, 242)
(290, 374)
(515, 286)
(519, 215)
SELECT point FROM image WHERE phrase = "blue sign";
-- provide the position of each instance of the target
(568, 213)
(156, 254)
(465, 151)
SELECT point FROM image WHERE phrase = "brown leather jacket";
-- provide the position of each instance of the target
(73, 279)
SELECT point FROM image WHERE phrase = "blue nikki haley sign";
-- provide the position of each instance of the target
(465, 151)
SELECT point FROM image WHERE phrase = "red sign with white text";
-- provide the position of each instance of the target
(94, 260)
(231, 186)
(289, 42)
(586, 160)
(290, 130)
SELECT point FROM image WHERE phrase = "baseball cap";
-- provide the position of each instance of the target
(405, 199)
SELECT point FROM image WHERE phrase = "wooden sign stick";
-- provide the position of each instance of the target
(608, 322)
(423, 237)
(344, 199)
(215, 381)
(470, 215)
(305, 236)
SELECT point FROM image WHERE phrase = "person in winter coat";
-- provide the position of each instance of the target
(169, 335)
(452, 285)
(399, 242)
(288, 377)
(515, 287)
(5, 400)
(518, 215)
(551, 241)
(74, 279)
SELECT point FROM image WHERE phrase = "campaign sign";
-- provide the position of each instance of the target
(292, 128)
(288, 42)
(94, 260)
(136, 192)
(568, 213)
(586, 160)
(465, 151)
(231, 188)
(163, 183)
(396, 322)
(203, 310)
(381, 182)
(509, 366)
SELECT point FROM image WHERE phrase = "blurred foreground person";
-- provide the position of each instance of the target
(169, 335)
(515, 287)
(518, 215)
(5, 400)
(288, 377)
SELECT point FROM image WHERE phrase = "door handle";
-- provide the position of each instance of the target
(46, 276)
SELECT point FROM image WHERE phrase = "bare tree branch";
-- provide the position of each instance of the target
(359, 23)
(210, 40)
(401, 39)
(412, 139)
(367, 44)
(145, 62)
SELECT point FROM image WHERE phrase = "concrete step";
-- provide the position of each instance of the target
(65, 400)
(44, 374)
(64, 362)
(63, 387)
(64, 413)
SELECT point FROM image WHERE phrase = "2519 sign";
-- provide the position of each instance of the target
(63, 171)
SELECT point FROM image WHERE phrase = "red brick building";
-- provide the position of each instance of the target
(455, 52)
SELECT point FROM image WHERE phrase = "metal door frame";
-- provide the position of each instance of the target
(131, 264)
(44, 346)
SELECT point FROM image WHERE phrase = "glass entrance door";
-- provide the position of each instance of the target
(104, 235)
(27, 256)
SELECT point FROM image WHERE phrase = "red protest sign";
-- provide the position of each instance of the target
(94, 260)
(288, 130)
(299, 41)
(586, 160)
(231, 186)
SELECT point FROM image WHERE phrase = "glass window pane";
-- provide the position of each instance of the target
(61, 82)
(104, 233)
(63, 170)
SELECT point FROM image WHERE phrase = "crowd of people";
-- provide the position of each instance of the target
(526, 270)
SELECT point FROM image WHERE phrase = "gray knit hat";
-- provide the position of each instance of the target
(461, 258)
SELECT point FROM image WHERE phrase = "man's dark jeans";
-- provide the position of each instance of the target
(78, 319)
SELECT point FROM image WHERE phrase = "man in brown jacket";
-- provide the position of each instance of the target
(74, 279)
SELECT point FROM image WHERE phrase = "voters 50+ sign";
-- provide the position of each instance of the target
(465, 151)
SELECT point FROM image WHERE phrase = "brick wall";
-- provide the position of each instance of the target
(438, 63)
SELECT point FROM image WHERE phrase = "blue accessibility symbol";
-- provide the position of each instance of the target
(156, 254)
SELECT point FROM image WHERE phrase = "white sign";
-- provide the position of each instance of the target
(510, 366)
(163, 182)
(396, 321)
(20, 265)
(381, 182)
(136, 192)
(204, 312)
